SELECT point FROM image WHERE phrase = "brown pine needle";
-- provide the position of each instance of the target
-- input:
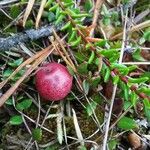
(63, 48)
(96, 14)
(64, 58)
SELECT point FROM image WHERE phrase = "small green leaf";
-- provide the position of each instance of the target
(76, 42)
(16, 63)
(127, 123)
(138, 80)
(147, 108)
(80, 15)
(70, 12)
(60, 18)
(37, 134)
(131, 68)
(67, 25)
(58, 12)
(25, 104)
(144, 90)
(100, 43)
(88, 46)
(51, 16)
(29, 24)
(86, 86)
(88, 5)
(106, 20)
(67, 1)
(118, 66)
(15, 11)
(16, 120)
(116, 79)
(95, 81)
(126, 105)
(107, 75)
(147, 36)
(134, 98)
(97, 62)
(137, 55)
(112, 144)
(91, 57)
(82, 68)
(125, 90)
(146, 103)
(108, 53)
(114, 58)
(146, 74)
(7, 72)
(81, 147)
(122, 68)
(54, 7)
(68, 4)
(90, 108)
(9, 101)
(72, 36)
(48, 3)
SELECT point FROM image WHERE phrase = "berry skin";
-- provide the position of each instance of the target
(53, 81)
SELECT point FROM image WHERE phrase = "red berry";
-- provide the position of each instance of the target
(53, 81)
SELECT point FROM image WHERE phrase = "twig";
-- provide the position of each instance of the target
(96, 14)
(141, 15)
(6, 2)
(28, 35)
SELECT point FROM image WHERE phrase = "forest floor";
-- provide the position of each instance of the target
(105, 45)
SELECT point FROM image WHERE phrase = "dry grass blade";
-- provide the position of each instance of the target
(28, 10)
(63, 48)
(26, 74)
(28, 61)
(43, 2)
(77, 128)
(62, 55)
(59, 128)
(133, 29)
(115, 88)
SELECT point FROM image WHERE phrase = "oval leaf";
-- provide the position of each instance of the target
(127, 123)
(16, 120)
(37, 134)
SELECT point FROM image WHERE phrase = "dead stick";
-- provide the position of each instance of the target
(96, 14)
(28, 35)
(6, 2)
